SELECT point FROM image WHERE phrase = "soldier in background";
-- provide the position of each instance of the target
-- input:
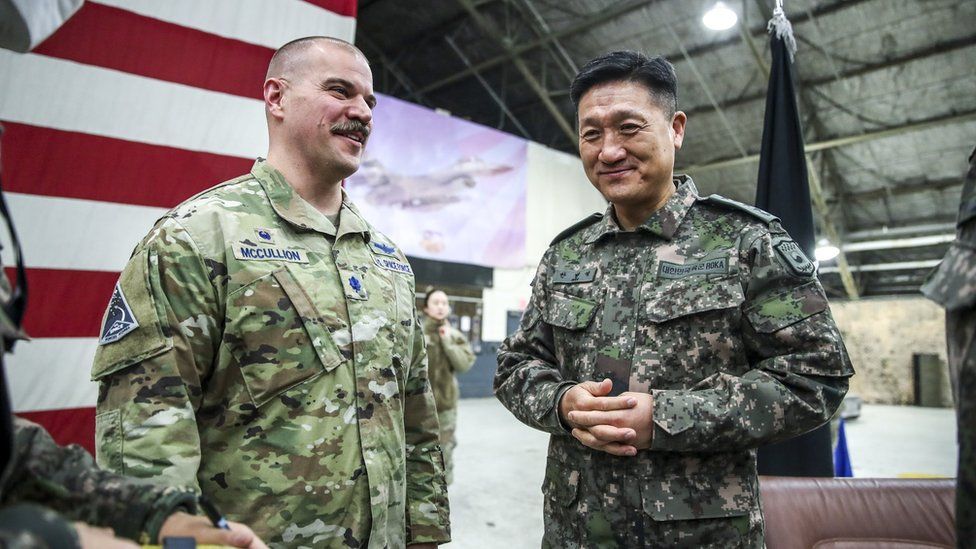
(953, 285)
(665, 340)
(448, 354)
(262, 343)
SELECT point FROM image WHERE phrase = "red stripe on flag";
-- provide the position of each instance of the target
(342, 7)
(65, 303)
(67, 426)
(47, 162)
(122, 40)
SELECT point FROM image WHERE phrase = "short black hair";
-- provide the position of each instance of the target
(431, 291)
(655, 73)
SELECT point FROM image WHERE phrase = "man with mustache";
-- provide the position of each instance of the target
(262, 344)
(666, 339)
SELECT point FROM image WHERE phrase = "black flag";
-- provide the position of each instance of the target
(784, 191)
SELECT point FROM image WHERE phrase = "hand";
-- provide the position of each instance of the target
(591, 396)
(620, 431)
(93, 537)
(444, 330)
(199, 527)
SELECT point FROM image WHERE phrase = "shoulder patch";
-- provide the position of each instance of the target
(593, 218)
(119, 320)
(793, 257)
(730, 204)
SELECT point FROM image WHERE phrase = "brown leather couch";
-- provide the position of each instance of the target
(858, 513)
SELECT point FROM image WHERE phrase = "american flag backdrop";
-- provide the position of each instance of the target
(128, 109)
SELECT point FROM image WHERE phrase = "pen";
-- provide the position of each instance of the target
(213, 514)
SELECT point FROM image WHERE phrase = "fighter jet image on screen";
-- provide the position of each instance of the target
(422, 192)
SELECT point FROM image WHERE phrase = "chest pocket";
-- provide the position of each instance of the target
(691, 296)
(569, 311)
(277, 336)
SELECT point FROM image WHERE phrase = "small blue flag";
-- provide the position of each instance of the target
(842, 460)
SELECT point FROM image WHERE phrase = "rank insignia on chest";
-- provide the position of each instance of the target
(356, 286)
(119, 320)
(794, 258)
(385, 249)
(574, 276)
(265, 236)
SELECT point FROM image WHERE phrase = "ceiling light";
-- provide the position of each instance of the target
(720, 17)
(825, 251)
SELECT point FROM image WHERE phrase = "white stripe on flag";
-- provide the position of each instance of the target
(65, 95)
(67, 233)
(268, 23)
(52, 373)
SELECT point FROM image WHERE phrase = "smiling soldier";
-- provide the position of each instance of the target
(262, 344)
(665, 339)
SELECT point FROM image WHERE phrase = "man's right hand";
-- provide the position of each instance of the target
(592, 396)
(199, 527)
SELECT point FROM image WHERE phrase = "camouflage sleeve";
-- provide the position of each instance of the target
(458, 352)
(799, 365)
(66, 480)
(149, 376)
(528, 381)
(428, 514)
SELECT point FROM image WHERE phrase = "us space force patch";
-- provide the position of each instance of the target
(119, 320)
(794, 258)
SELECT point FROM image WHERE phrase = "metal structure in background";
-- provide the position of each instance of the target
(885, 92)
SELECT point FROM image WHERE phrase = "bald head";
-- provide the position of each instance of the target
(288, 60)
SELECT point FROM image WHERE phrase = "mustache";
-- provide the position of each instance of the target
(350, 127)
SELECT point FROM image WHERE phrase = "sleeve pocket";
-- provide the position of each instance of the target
(145, 341)
(786, 308)
(108, 440)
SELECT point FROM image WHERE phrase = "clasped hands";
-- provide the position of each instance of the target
(618, 425)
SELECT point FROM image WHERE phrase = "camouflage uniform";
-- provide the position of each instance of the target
(953, 285)
(66, 480)
(706, 306)
(256, 351)
(446, 357)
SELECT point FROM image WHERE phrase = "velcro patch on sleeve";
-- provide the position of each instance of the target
(794, 258)
(119, 320)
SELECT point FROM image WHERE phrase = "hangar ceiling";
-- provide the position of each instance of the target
(886, 89)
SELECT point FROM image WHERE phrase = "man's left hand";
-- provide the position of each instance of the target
(633, 427)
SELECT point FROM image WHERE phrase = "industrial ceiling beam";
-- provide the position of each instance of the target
(895, 266)
(588, 23)
(489, 89)
(558, 51)
(953, 118)
(898, 189)
(523, 69)
(393, 69)
(940, 48)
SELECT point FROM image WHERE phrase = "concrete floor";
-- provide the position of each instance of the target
(496, 497)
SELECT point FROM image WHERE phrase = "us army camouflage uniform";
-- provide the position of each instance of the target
(953, 285)
(707, 307)
(275, 361)
(66, 480)
(446, 357)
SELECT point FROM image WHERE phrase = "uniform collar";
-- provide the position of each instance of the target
(664, 222)
(295, 210)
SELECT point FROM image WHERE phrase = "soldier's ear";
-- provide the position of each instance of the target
(274, 92)
(678, 122)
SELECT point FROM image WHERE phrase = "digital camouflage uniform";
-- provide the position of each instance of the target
(66, 480)
(256, 351)
(708, 307)
(446, 357)
(953, 285)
